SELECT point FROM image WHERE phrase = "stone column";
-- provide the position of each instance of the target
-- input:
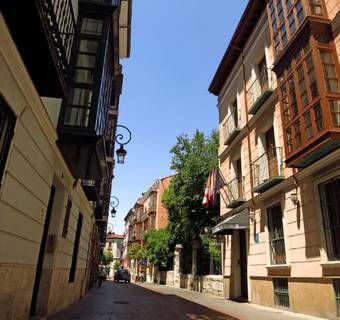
(177, 266)
(195, 246)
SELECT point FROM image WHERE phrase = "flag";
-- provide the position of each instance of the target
(207, 193)
(212, 188)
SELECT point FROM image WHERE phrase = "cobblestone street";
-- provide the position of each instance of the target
(147, 301)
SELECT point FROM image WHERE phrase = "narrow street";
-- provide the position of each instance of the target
(148, 301)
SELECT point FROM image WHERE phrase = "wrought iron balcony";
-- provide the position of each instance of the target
(235, 192)
(260, 90)
(230, 128)
(267, 170)
(44, 38)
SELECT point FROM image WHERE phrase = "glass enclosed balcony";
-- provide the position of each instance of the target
(260, 90)
(267, 170)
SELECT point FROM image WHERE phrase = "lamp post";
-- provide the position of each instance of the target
(114, 202)
(119, 138)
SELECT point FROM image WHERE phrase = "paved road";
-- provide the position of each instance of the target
(123, 301)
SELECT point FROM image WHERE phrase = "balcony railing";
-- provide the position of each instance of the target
(60, 27)
(260, 90)
(235, 192)
(230, 128)
(152, 206)
(267, 169)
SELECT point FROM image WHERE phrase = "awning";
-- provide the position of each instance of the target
(239, 220)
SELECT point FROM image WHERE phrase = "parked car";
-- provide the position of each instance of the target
(122, 274)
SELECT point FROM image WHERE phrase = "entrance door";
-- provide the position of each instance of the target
(42, 253)
(243, 264)
(271, 153)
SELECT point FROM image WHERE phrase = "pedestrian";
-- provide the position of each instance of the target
(101, 276)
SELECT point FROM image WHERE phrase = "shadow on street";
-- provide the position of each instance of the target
(125, 301)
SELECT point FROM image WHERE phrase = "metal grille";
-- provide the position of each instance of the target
(281, 295)
(7, 123)
(336, 284)
(330, 203)
(276, 235)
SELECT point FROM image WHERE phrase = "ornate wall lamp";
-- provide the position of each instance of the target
(294, 197)
(119, 138)
(110, 227)
(114, 202)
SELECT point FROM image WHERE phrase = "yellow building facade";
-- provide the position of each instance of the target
(50, 231)
(279, 156)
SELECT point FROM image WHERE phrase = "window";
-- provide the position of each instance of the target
(308, 125)
(285, 103)
(330, 205)
(75, 249)
(284, 38)
(67, 218)
(85, 60)
(288, 4)
(273, 17)
(315, 6)
(291, 20)
(293, 102)
(336, 286)
(277, 43)
(80, 97)
(335, 112)
(302, 86)
(88, 46)
(318, 117)
(289, 139)
(7, 124)
(280, 11)
(281, 294)
(299, 11)
(91, 26)
(77, 117)
(297, 130)
(312, 79)
(329, 72)
(83, 75)
(276, 235)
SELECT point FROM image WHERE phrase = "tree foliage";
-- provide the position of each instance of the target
(157, 246)
(136, 251)
(106, 257)
(192, 159)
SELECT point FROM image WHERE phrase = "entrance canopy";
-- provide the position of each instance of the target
(239, 220)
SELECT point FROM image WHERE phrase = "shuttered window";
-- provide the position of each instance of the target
(7, 124)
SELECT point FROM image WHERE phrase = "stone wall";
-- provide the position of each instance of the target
(208, 284)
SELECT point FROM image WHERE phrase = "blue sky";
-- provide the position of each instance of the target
(176, 47)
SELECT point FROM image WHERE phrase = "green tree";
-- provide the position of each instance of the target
(116, 265)
(106, 257)
(157, 246)
(136, 251)
(192, 159)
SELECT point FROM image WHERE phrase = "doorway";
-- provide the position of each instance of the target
(271, 153)
(41, 255)
(243, 264)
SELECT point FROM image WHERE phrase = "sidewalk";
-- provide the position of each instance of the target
(242, 311)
